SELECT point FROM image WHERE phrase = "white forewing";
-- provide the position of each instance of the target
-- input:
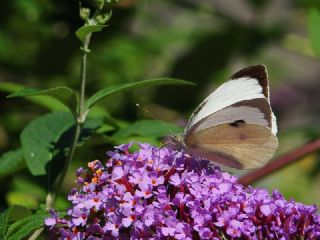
(227, 94)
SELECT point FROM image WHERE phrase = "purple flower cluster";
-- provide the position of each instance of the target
(158, 193)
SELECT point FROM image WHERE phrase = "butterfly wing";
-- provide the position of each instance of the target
(244, 146)
(235, 124)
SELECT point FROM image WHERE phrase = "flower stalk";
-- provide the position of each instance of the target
(81, 111)
(86, 50)
(80, 119)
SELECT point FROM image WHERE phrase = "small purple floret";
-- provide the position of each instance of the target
(158, 193)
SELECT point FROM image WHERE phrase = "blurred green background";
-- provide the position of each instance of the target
(200, 41)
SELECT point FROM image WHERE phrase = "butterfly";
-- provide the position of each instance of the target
(235, 126)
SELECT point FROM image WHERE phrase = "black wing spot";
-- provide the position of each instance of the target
(237, 123)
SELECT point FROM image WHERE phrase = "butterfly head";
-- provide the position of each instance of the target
(175, 142)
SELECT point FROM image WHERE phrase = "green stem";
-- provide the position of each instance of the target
(36, 234)
(79, 120)
(66, 166)
(85, 49)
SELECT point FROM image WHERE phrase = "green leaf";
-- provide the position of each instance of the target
(13, 213)
(150, 140)
(127, 86)
(11, 162)
(148, 128)
(22, 198)
(314, 29)
(39, 138)
(46, 141)
(43, 101)
(82, 32)
(10, 87)
(24, 227)
(17, 212)
(20, 189)
(90, 127)
(63, 94)
(3, 223)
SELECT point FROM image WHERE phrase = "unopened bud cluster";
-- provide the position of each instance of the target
(102, 15)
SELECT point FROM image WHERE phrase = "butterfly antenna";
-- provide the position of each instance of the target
(155, 118)
(165, 124)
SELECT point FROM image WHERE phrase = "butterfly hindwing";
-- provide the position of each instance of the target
(250, 145)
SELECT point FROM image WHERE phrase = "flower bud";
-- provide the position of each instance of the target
(103, 18)
(84, 13)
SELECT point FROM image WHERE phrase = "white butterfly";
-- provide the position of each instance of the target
(235, 125)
